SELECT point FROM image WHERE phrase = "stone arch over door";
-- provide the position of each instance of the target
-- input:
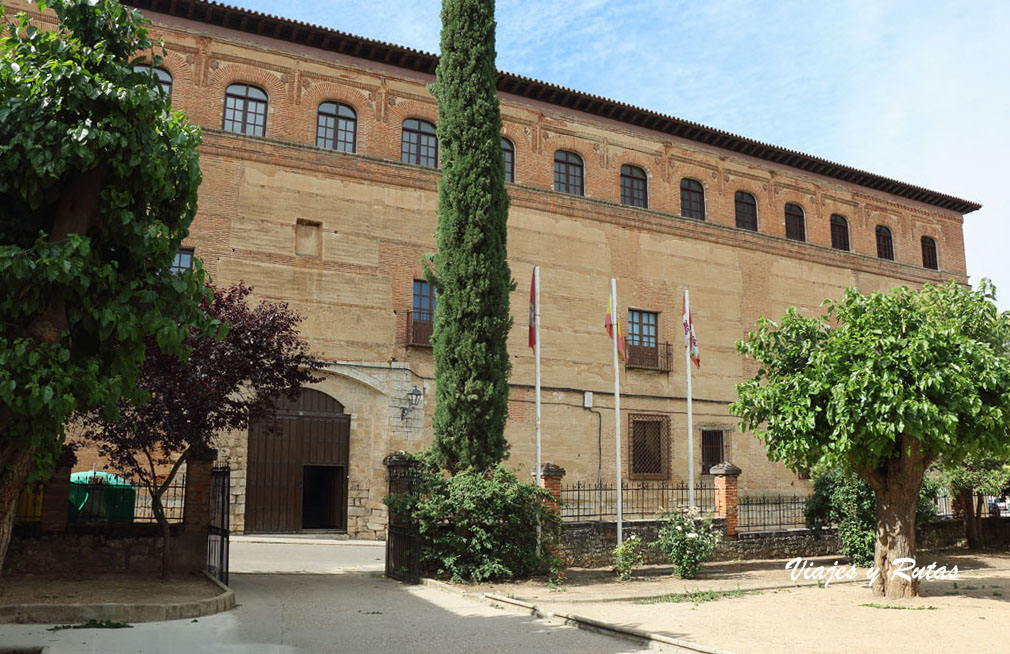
(297, 466)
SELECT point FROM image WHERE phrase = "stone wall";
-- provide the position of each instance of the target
(82, 550)
(591, 544)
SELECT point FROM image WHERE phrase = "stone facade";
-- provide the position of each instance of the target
(340, 237)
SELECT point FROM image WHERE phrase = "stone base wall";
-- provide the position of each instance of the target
(83, 549)
(591, 544)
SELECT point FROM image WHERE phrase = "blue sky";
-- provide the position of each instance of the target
(915, 90)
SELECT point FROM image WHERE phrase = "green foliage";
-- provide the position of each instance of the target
(472, 277)
(985, 476)
(628, 556)
(480, 525)
(688, 539)
(842, 499)
(98, 183)
(878, 372)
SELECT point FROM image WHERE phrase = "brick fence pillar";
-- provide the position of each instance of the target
(196, 502)
(56, 497)
(550, 478)
(725, 494)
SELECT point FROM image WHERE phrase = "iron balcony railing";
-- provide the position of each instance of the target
(650, 357)
(419, 327)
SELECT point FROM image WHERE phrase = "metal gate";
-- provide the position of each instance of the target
(217, 537)
(403, 540)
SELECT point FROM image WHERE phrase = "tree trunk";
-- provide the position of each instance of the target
(896, 538)
(972, 523)
(14, 466)
(166, 539)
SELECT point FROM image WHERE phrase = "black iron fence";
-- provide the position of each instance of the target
(768, 513)
(123, 503)
(984, 506)
(640, 499)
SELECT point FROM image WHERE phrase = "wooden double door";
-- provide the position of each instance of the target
(297, 467)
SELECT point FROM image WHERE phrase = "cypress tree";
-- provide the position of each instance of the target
(472, 276)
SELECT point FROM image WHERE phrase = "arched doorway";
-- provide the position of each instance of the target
(297, 467)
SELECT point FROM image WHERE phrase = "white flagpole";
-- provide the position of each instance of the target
(536, 356)
(690, 414)
(617, 410)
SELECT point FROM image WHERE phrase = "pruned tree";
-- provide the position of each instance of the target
(472, 320)
(98, 183)
(886, 384)
(225, 383)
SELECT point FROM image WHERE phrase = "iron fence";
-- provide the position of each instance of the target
(643, 499)
(768, 513)
(984, 506)
(101, 503)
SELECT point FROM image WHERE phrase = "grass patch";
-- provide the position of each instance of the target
(693, 596)
(875, 605)
(93, 624)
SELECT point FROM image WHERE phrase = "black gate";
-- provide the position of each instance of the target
(403, 541)
(217, 538)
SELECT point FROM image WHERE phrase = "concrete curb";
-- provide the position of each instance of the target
(654, 641)
(119, 612)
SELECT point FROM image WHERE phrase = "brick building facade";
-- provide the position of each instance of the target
(340, 236)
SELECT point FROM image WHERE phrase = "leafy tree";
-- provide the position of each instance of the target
(969, 483)
(225, 383)
(884, 384)
(98, 184)
(473, 282)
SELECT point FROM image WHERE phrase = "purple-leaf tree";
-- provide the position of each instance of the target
(226, 382)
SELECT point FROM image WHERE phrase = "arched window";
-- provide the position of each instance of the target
(163, 76)
(839, 232)
(568, 173)
(420, 144)
(336, 127)
(692, 199)
(245, 110)
(929, 254)
(885, 247)
(795, 229)
(508, 152)
(746, 211)
(634, 186)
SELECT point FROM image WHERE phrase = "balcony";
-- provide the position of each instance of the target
(419, 327)
(649, 357)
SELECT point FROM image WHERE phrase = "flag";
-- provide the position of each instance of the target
(609, 326)
(533, 310)
(690, 338)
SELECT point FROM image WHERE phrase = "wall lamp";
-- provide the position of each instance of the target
(413, 399)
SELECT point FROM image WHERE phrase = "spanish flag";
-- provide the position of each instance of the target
(608, 324)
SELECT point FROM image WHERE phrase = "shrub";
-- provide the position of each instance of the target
(843, 499)
(687, 539)
(627, 556)
(477, 526)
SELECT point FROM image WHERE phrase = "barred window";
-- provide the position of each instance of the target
(163, 76)
(795, 229)
(885, 246)
(634, 186)
(839, 232)
(419, 144)
(642, 328)
(692, 199)
(508, 152)
(746, 211)
(336, 127)
(712, 452)
(929, 254)
(568, 173)
(183, 261)
(649, 441)
(245, 110)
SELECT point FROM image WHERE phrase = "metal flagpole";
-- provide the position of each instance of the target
(690, 414)
(536, 356)
(617, 409)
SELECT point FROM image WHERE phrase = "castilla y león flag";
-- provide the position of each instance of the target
(608, 324)
(533, 310)
(690, 338)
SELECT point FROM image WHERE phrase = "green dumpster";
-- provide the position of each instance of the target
(97, 496)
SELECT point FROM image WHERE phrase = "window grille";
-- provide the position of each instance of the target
(712, 452)
(649, 441)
